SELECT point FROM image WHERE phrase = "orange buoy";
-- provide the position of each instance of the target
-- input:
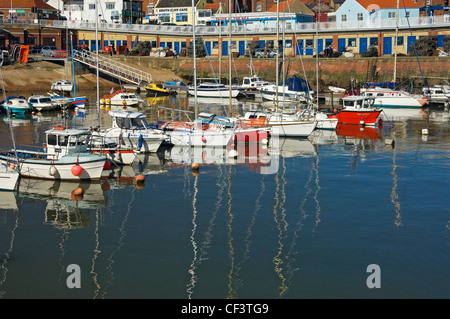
(12, 166)
(107, 165)
(140, 178)
(203, 139)
(77, 194)
(105, 186)
(195, 166)
(76, 170)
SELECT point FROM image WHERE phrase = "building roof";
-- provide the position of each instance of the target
(26, 4)
(292, 6)
(385, 4)
(174, 3)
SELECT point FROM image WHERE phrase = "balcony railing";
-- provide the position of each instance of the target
(254, 29)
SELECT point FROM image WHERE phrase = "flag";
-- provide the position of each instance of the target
(112, 90)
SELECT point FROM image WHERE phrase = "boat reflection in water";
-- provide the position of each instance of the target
(68, 203)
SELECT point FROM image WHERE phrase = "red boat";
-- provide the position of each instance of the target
(358, 110)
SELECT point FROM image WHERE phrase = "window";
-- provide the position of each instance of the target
(400, 41)
(351, 42)
(373, 42)
(391, 15)
(259, 7)
(92, 6)
(344, 18)
(328, 43)
(182, 17)
(310, 43)
(164, 18)
(407, 14)
(215, 44)
(233, 44)
(110, 6)
(359, 17)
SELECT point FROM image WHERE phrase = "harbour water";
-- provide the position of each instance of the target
(338, 215)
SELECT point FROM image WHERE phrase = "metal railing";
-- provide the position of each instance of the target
(113, 67)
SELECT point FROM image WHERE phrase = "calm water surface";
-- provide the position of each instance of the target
(302, 219)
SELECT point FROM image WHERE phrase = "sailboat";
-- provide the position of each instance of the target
(389, 97)
(280, 123)
(77, 101)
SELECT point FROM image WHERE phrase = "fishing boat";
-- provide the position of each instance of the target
(358, 110)
(62, 85)
(389, 98)
(157, 89)
(64, 156)
(216, 90)
(130, 129)
(15, 105)
(42, 103)
(121, 97)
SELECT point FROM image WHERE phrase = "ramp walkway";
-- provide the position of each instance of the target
(113, 67)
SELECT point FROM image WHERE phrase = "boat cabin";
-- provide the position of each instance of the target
(61, 140)
(129, 120)
(358, 102)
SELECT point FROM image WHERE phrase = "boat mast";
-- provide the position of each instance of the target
(276, 57)
(194, 55)
(317, 56)
(230, 51)
(396, 37)
(96, 61)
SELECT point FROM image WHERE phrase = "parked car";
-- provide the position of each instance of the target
(259, 53)
(53, 51)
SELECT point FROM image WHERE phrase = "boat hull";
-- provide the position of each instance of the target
(358, 117)
(8, 179)
(200, 138)
(41, 168)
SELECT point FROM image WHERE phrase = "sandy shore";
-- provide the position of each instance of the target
(37, 77)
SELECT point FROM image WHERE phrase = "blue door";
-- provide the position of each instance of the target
(440, 40)
(162, 44)
(299, 47)
(261, 43)
(309, 47)
(341, 45)
(411, 40)
(208, 47)
(241, 47)
(320, 45)
(225, 48)
(362, 45)
(387, 45)
(177, 47)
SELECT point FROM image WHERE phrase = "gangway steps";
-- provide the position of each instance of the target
(113, 67)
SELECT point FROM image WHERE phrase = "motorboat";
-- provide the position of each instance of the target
(389, 98)
(121, 97)
(62, 85)
(437, 93)
(118, 154)
(15, 105)
(284, 125)
(42, 103)
(176, 85)
(216, 90)
(64, 156)
(295, 89)
(130, 129)
(358, 110)
(253, 83)
(62, 101)
(157, 89)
